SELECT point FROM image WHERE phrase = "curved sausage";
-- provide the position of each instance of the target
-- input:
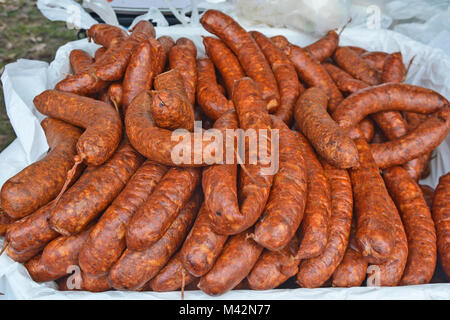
(209, 96)
(344, 81)
(225, 61)
(387, 97)
(102, 123)
(314, 272)
(106, 242)
(327, 138)
(235, 262)
(41, 181)
(247, 51)
(441, 213)
(285, 74)
(284, 209)
(418, 224)
(393, 68)
(157, 213)
(256, 179)
(135, 268)
(314, 227)
(427, 136)
(373, 208)
(99, 52)
(38, 271)
(94, 191)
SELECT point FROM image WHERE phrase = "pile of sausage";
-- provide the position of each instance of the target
(344, 208)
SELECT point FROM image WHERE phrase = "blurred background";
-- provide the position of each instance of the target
(26, 33)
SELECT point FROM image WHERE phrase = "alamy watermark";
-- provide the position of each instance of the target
(231, 146)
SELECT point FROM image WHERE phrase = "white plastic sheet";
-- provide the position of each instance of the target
(24, 79)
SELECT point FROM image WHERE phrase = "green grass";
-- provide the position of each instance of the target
(27, 34)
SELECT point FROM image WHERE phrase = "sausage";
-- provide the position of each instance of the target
(327, 138)
(172, 277)
(280, 41)
(351, 272)
(273, 268)
(102, 123)
(323, 48)
(209, 96)
(183, 57)
(79, 60)
(41, 181)
(84, 83)
(387, 97)
(31, 232)
(166, 44)
(375, 59)
(94, 191)
(255, 180)
(135, 268)
(358, 50)
(22, 256)
(391, 123)
(62, 253)
(418, 166)
(418, 224)
(313, 74)
(355, 65)
(5, 222)
(247, 51)
(219, 183)
(225, 61)
(235, 262)
(428, 194)
(314, 227)
(344, 81)
(441, 211)
(38, 271)
(389, 273)
(141, 70)
(314, 272)
(106, 242)
(94, 283)
(157, 213)
(393, 68)
(284, 209)
(112, 65)
(373, 208)
(427, 136)
(106, 35)
(115, 94)
(367, 128)
(99, 52)
(157, 144)
(171, 108)
(202, 245)
(288, 84)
